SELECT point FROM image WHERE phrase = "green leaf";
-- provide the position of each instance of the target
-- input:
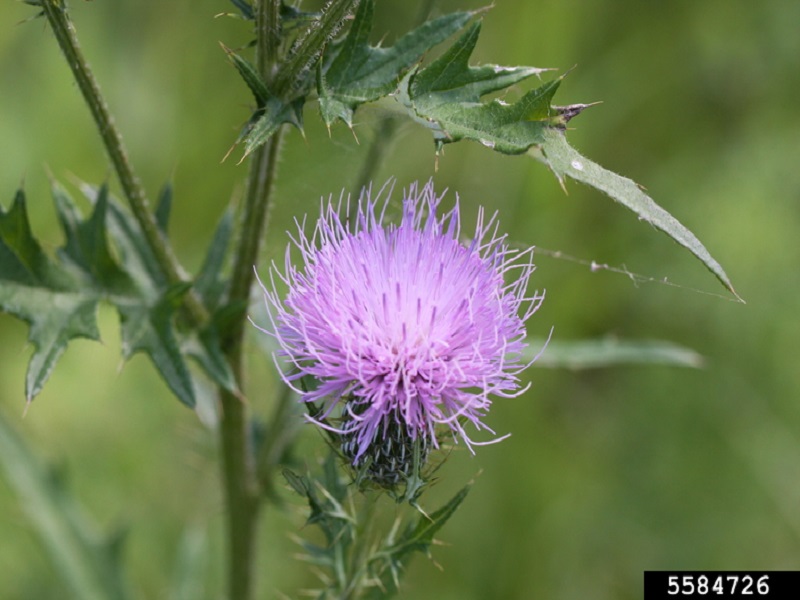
(51, 298)
(360, 73)
(564, 160)
(206, 349)
(271, 112)
(210, 284)
(87, 245)
(251, 77)
(149, 329)
(245, 8)
(134, 252)
(87, 563)
(266, 121)
(610, 352)
(420, 536)
(21, 258)
(203, 346)
(59, 298)
(445, 97)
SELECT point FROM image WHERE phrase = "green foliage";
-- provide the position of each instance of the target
(355, 72)
(446, 96)
(564, 160)
(59, 298)
(357, 561)
(87, 562)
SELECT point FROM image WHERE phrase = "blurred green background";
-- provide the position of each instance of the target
(608, 472)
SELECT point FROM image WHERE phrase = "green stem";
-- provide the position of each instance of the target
(238, 466)
(239, 469)
(268, 15)
(56, 13)
(239, 474)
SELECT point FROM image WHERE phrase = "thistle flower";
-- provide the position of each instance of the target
(408, 331)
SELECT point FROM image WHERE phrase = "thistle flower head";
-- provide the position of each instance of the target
(408, 330)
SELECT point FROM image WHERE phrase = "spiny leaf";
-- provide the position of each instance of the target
(266, 121)
(420, 537)
(50, 298)
(151, 285)
(206, 349)
(87, 245)
(445, 96)
(135, 254)
(22, 259)
(245, 8)
(450, 78)
(250, 75)
(59, 298)
(565, 160)
(360, 73)
(271, 112)
(210, 284)
(87, 563)
(149, 329)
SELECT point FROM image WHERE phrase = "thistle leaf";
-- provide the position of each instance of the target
(267, 120)
(564, 160)
(149, 329)
(50, 297)
(359, 72)
(210, 284)
(251, 77)
(420, 536)
(87, 246)
(206, 349)
(245, 8)
(445, 97)
(105, 258)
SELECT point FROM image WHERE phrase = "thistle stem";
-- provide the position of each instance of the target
(56, 13)
(239, 472)
(311, 45)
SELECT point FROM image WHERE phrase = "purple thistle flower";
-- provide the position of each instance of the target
(406, 329)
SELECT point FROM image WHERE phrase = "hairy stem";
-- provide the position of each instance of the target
(269, 37)
(311, 45)
(56, 13)
(242, 489)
